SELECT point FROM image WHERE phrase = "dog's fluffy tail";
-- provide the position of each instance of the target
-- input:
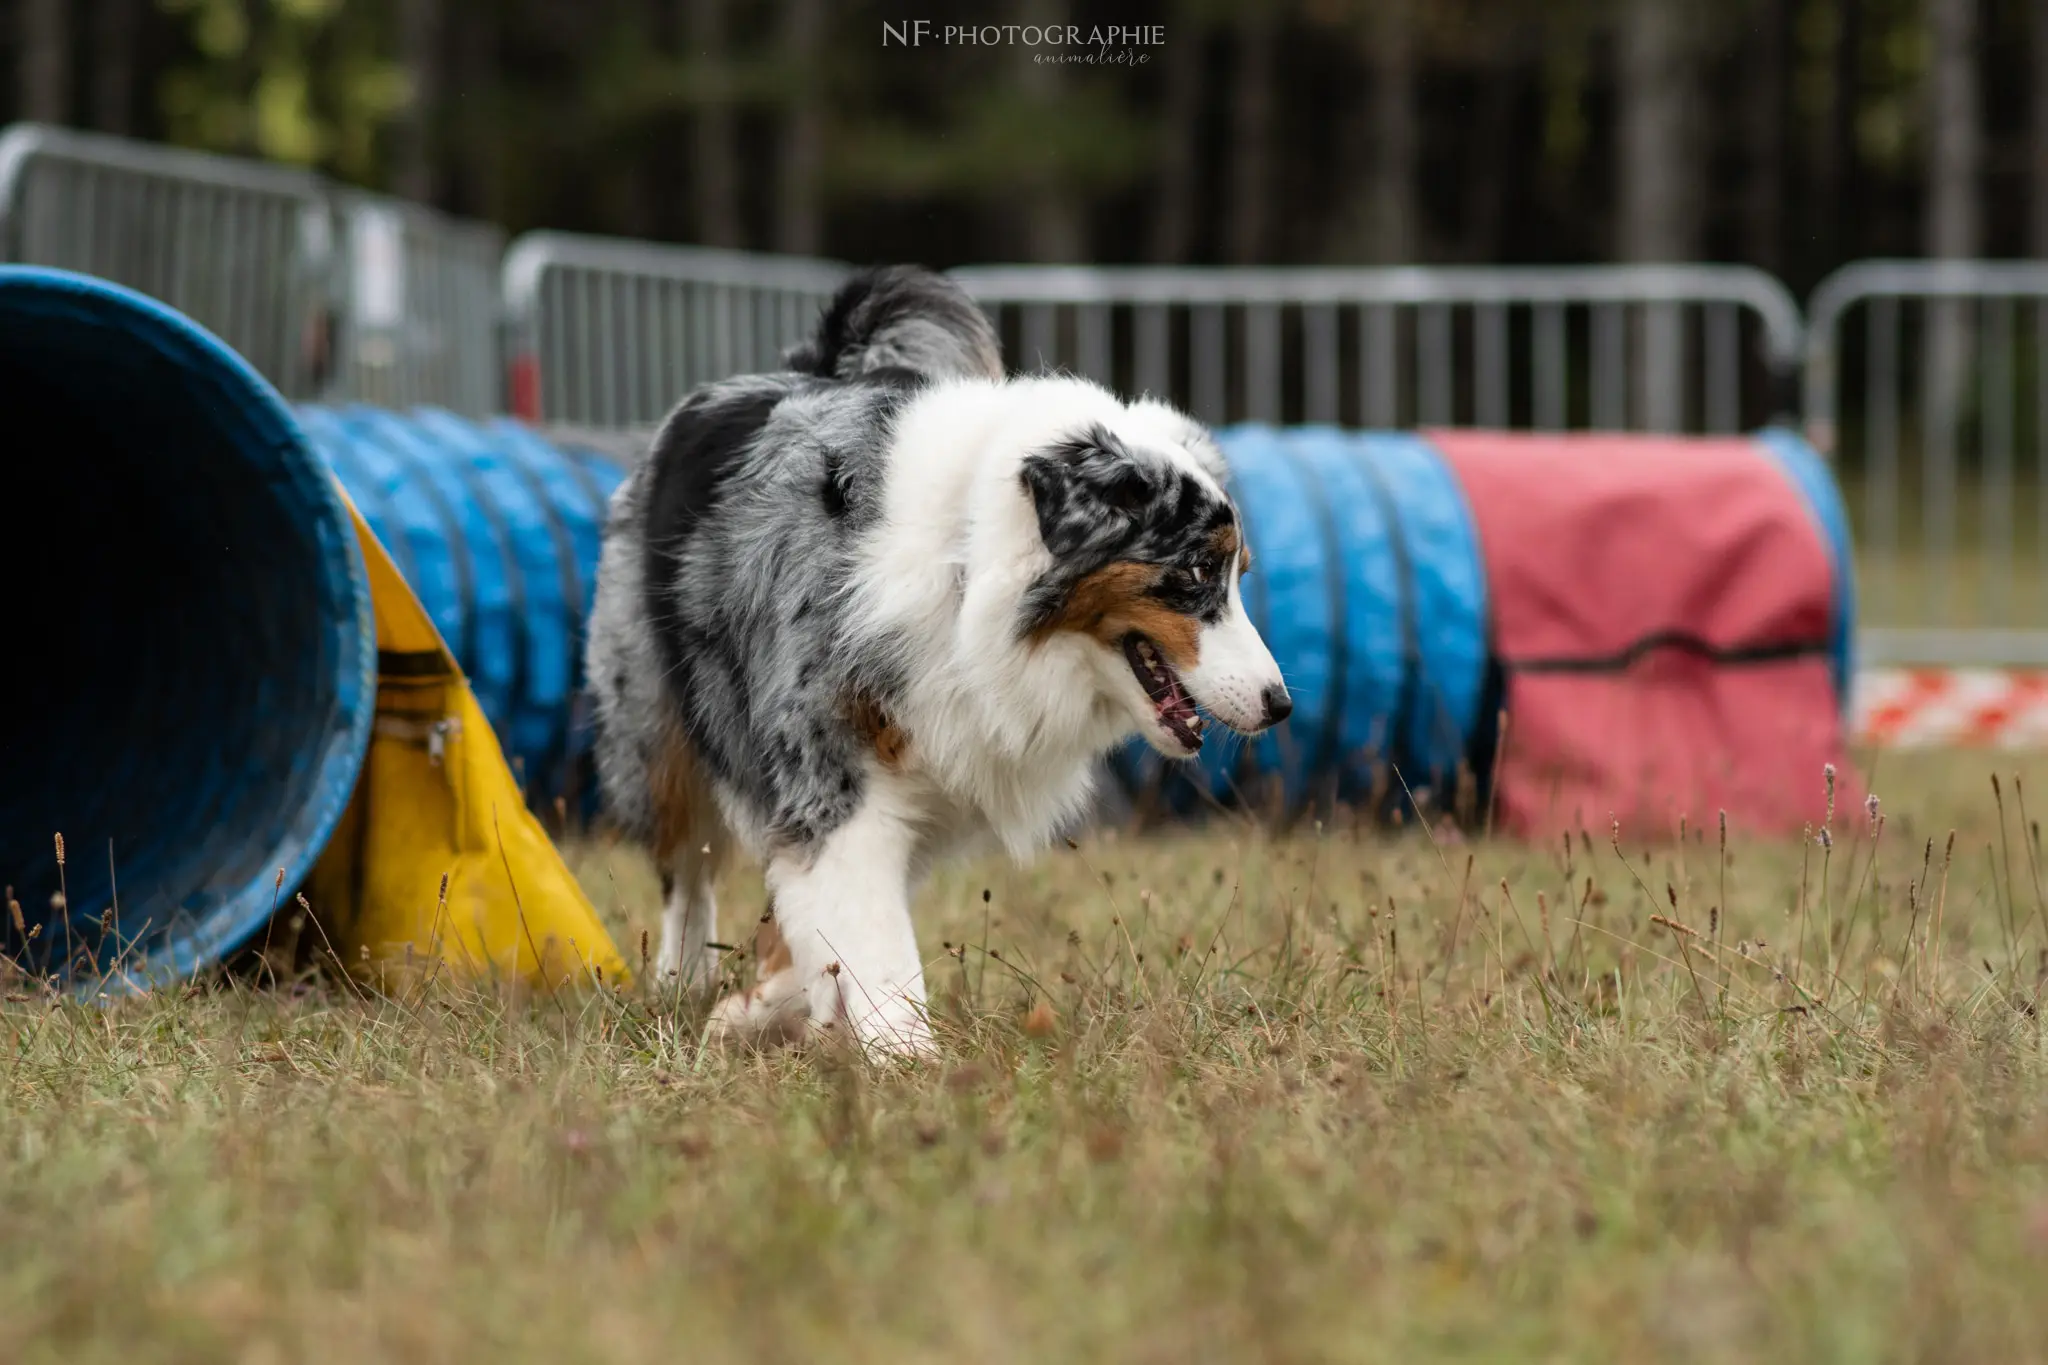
(902, 317)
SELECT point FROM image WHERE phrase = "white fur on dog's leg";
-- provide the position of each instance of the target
(689, 920)
(846, 919)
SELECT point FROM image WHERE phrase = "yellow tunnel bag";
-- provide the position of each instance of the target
(436, 798)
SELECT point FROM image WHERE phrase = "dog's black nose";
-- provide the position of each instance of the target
(1279, 706)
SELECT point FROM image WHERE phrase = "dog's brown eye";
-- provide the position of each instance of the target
(1201, 573)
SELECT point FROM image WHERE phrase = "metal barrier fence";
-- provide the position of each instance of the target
(611, 333)
(1927, 384)
(240, 246)
(1649, 347)
(328, 293)
(419, 314)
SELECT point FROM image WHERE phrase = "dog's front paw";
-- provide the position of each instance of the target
(892, 1023)
(692, 973)
(771, 1014)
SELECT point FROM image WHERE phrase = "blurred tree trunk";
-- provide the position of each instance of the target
(1390, 168)
(2038, 94)
(1178, 188)
(1251, 129)
(800, 162)
(1656, 191)
(419, 38)
(475, 98)
(1952, 215)
(1566, 131)
(1656, 212)
(1763, 115)
(117, 29)
(1844, 184)
(45, 56)
(1502, 60)
(1952, 231)
(1054, 221)
(1817, 29)
(716, 155)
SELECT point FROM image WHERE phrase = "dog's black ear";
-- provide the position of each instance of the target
(1085, 488)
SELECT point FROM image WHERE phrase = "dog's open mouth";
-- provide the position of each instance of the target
(1170, 701)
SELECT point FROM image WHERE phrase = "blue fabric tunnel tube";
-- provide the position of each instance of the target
(189, 639)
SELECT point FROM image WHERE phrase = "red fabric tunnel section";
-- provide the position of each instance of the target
(1662, 611)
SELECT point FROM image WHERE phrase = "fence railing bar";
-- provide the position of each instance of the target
(1320, 378)
(1660, 404)
(1610, 367)
(1092, 342)
(1490, 364)
(1379, 353)
(1209, 375)
(1550, 358)
(1995, 565)
(1723, 344)
(585, 303)
(1943, 368)
(1152, 361)
(640, 393)
(1881, 434)
(1262, 362)
(1041, 338)
(1433, 365)
(2041, 446)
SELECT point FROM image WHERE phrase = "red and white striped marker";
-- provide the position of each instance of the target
(1926, 708)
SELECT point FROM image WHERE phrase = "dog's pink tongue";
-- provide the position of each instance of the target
(1176, 705)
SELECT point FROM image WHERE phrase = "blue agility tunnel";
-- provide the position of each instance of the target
(1369, 589)
(189, 635)
(189, 625)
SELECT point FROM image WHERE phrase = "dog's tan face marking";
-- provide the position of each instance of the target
(879, 732)
(1230, 541)
(1227, 541)
(1116, 600)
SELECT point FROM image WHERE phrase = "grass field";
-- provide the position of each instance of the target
(1339, 1096)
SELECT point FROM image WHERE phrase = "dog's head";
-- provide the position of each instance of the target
(1147, 551)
